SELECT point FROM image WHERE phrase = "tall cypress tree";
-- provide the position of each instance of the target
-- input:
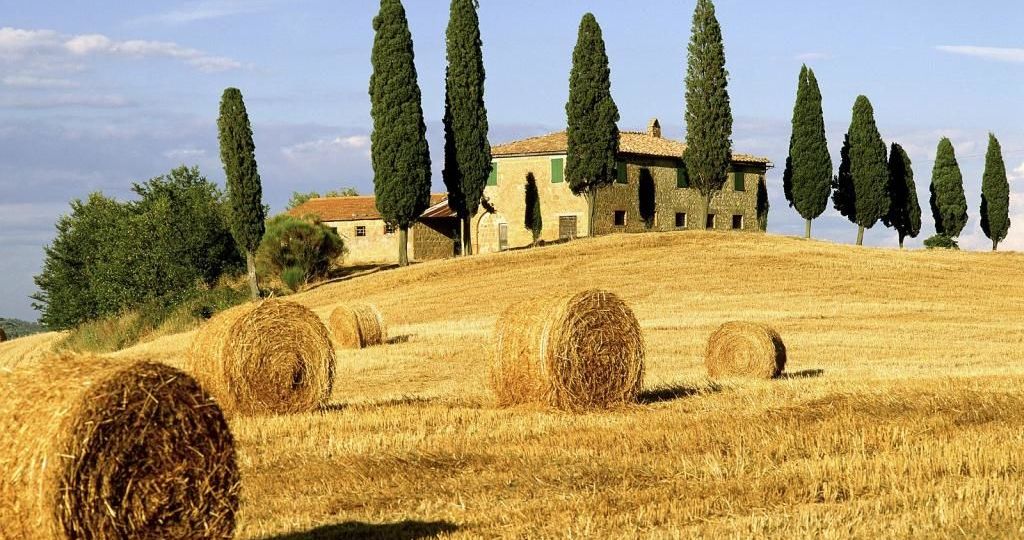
(401, 159)
(868, 167)
(995, 195)
(708, 110)
(904, 210)
(843, 196)
(467, 156)
(532, 219)
(592, 118)
(245, 192)
(808, 174)
(949, 204)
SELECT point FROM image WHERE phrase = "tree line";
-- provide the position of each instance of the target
(871, 186)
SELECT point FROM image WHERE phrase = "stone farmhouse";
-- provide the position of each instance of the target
(650, 175)
(649, 164)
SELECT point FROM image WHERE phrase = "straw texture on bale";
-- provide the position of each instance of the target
(573, 352)
(270, 357)
(357, 326)
(100, 448)
(745, 349)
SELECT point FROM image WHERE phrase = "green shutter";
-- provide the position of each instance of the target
(737, 182)
(682, 178)
(620, 173)
(492, 180)
(557, 170)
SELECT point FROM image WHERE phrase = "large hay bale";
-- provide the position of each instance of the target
(270, 357)
(100, 448)
(745, 349)
(574, 352)
(357, 326)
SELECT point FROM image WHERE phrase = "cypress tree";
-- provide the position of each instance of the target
(904, 210)
(245, 192)
(401, 159)
(843, 196)
(995, 195)
(532, 219)
(592, 118)
(949, 205)
(808, 174)
(467, 156)
(708, 112)
(868, 167)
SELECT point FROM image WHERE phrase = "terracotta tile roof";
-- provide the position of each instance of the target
(439, 210)
(348, 208)
(630, 142)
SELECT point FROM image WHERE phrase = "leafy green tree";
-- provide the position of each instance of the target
(245, 192)
(869, 168)
(401, 158)
(995, 195)
(467, 156)
(904, 210)
(532, 219)
(808, 175)
(763, 205)
(592, 117)
(708, 110)
(843, 196)
(948, 202)
(298, 247)
(647, 197)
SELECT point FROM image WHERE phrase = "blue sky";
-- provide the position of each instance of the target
(97, 95)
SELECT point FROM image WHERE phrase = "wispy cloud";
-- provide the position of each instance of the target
(57, 101)
(998, 54)
(327, 146)
(204, 10)
(813, 56)
(32, 81)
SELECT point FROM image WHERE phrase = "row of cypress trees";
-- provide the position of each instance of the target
(871, 187)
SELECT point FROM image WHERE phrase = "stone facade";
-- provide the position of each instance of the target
(375, 246)
(435, 239)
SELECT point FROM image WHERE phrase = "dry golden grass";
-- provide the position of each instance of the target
(900, 415)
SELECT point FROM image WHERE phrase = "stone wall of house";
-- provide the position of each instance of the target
(509, 200)
(434, 239)
(375, 247)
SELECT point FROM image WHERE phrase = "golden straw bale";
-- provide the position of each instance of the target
(270, 357)
(101, 448)
(745, 349)
(357, 326)
(573, 352)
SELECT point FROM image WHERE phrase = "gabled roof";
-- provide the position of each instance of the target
(630, 142)
(349, 208)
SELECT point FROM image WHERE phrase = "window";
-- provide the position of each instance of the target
(621, 175)
(620, 218)
(360, 230)
(737, 182)
(682, 178)
(711, 222)
(680, 220)
(737, 222)
(492, 180)
(389, 228)
(557, 170)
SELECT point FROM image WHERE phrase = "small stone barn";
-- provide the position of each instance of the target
(371, 241)
(651, 192)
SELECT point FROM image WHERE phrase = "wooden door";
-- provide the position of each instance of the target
(566, 227)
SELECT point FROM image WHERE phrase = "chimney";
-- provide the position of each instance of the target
(654, 128)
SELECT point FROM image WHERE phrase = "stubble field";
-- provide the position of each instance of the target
(900, 414)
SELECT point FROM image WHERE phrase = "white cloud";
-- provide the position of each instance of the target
(206, 10)
(32, 81)
(185, 153)
(327, 146)
(813, 56)
(999, 54)
(55, 101)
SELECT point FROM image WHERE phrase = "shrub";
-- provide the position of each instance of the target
(940, 241)
(294, 277)
(292, 245)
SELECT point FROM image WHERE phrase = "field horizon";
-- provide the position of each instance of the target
(898, 414)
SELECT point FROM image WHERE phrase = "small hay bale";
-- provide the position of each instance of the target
(270, 357)
(357, 326)
(101, 448)
(574, 352)
(745, 349)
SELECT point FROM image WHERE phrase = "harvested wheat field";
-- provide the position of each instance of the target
(899, 413)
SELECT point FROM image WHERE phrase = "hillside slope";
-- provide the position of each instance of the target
(901, 416)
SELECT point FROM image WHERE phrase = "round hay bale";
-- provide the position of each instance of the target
(357, 326)
(100, 448)
(574, 352)
(745, 349)
(271, 357)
